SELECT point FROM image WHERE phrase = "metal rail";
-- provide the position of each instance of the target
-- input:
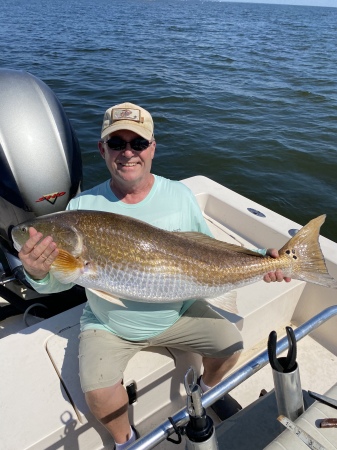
(165, 429)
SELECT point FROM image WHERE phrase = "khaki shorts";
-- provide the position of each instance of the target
(103, 356)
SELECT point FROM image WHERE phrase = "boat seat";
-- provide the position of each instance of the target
(42, 363)
(309, 422)
(140, 377)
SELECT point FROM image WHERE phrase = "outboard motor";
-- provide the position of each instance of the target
(41, 167)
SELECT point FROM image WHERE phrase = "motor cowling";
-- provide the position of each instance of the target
(40, 159)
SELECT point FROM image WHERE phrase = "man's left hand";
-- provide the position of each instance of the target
(278, 274)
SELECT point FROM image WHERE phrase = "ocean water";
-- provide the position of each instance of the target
(245, 94)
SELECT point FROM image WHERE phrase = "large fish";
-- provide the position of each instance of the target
(125, 258)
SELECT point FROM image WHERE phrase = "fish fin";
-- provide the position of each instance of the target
(226, 301)
(215, 243)
(110, 298)
(66, 268)
(308, 262)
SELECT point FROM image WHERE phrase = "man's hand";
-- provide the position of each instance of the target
(38, 254)
(278, 274)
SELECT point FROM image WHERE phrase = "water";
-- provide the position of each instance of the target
(245, 94)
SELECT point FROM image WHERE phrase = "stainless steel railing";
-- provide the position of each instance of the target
(164, 430)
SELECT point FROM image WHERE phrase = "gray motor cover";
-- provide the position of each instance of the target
(40, 159)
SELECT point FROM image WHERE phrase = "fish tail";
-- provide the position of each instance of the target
(306, 258)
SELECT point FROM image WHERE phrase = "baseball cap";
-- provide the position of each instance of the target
(127, 116)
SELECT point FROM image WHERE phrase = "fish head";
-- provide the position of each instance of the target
(57, 225)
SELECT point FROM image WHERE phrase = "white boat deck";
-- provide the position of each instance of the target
(318, 372)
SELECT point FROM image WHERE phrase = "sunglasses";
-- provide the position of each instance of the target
(138, 144)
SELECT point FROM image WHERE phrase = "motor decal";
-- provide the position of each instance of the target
(51, 198)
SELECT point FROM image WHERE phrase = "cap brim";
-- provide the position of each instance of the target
(131, 126)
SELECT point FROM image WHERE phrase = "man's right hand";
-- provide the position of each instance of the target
(38, 254)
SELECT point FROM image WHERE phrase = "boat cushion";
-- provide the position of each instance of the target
(309, 422)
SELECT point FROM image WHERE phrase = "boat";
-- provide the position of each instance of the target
(41, 403)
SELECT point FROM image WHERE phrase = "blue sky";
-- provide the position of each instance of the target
(332, 3)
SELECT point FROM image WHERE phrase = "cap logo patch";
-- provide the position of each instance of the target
(126, 114)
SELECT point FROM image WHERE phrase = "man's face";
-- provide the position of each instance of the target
(128, 165)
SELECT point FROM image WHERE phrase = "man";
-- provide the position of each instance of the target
(111, 335)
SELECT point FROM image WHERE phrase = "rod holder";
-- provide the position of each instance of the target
(286, 375)
(288, 393)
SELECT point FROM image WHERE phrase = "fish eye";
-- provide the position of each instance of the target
(24, 229)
